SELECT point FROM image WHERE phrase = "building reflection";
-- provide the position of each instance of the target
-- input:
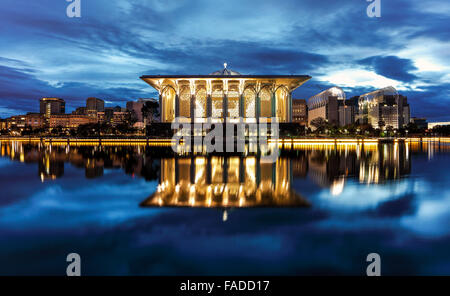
(370, 165)
(52, 159)
(225, 182)
(228, 181)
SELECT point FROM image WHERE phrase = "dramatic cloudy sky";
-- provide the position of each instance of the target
(103, 53)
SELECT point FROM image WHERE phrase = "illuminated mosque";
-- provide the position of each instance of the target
(225, 95)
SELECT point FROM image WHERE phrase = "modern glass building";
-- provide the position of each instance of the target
(381, 108)
(225, 95)
(329, 105)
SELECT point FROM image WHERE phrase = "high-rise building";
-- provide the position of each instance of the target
(331, 106)
(49, 106)
(136, 109)
(381, 108)
(346, 113)
(93, 106)
(299, 111)
(406, 111)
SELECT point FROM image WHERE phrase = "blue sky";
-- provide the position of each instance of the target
(103, 53)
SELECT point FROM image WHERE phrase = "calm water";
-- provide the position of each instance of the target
(136, 210)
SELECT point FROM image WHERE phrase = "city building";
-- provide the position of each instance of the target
(119, 117)
(420, 122)
(346, 113)
(80, 111)
(49, 106)
(93, 106)
(60, 120)
(381, 108)
(3, 124)
(34, 120)
(225, 94)
(406, 116)
(69, 121)
(299, 111)
(330, 105)
(136, 109)
(16, 122)
(432, 124)
(106, 116)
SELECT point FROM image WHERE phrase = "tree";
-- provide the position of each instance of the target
(381, 124)
(367, 129)
(442, 130)
(56, 131)
(389, 130)
(319, 124)
(413, 128)
(150, 109)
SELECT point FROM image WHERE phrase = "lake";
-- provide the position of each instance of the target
(320, 209)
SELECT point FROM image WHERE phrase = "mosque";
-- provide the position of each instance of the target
(225, 95)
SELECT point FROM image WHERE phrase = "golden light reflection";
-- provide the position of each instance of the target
(246, 182)
(230, 181)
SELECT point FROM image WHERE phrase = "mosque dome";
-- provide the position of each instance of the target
(225, 72)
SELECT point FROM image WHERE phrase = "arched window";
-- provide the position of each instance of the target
(265, 96)
(217, 101)
(200, 103)
(185, 102)
(233, 101)
(282, 97)
(168, 97)
(249, 103)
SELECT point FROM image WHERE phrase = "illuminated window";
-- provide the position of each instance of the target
(249, 103)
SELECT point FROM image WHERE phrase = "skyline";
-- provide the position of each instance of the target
(46, 54)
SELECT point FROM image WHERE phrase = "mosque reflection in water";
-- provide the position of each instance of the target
(225, 182)
(231, 181)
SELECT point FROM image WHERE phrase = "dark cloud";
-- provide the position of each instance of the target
(391, 67)
(21, 90)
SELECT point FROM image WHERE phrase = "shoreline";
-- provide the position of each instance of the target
(166, 141)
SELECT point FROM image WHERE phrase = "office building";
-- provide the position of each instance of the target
(331, 106)
(381, 108)
(299, 111)
(49, 106)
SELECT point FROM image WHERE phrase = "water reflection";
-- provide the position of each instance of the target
(227, 181)
(392, 199)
